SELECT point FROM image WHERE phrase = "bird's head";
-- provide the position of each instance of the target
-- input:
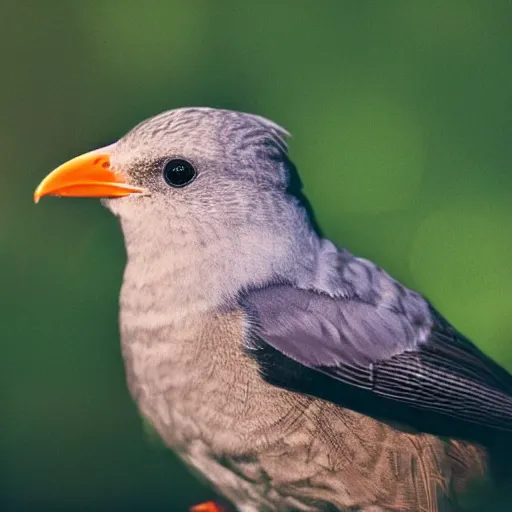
(208, 186)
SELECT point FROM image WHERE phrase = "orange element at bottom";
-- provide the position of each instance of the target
(208, 506)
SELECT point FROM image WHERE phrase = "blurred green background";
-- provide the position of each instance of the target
(401, 120)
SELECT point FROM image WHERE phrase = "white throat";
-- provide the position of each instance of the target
(177, 270)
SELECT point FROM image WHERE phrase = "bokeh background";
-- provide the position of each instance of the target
(401, 120)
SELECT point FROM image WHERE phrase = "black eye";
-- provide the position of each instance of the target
(179, 173)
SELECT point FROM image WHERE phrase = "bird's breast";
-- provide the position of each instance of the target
(196, 381)
(204, 396)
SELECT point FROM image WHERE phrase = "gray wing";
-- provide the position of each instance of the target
(386, 340)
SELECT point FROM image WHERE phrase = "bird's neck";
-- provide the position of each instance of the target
(174, 275)
(175, 326)
(173, 309)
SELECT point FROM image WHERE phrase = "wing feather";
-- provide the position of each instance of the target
(383, 350)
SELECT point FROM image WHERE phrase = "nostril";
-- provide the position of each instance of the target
(104, 163)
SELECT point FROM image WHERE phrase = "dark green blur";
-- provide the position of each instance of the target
(401, 114)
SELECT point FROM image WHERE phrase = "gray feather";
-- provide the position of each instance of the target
(366, 317)
(384, 338)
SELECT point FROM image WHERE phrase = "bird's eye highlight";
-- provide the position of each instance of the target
(179, 173)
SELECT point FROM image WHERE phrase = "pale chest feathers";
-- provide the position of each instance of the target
(197, 382)
(204, 396)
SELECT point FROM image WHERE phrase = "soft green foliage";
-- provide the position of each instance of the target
(400, 114)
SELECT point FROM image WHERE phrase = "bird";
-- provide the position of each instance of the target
(289, 373)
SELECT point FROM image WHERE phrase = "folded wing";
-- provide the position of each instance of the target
(396, 349)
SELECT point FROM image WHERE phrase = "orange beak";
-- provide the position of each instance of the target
(87, 175)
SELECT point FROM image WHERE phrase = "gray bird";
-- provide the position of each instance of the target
(289, 373)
